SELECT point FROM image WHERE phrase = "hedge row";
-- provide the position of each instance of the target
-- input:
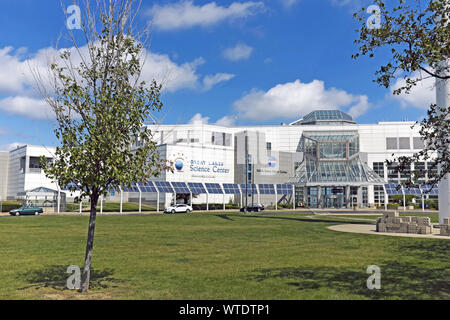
(8, 206)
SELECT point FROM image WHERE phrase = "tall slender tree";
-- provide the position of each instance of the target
(101, 105)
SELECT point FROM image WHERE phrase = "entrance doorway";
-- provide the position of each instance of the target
(334, 201)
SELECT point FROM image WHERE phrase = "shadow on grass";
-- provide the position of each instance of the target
(55, 277)
(438, 249)
(224, 216)
(398, 280)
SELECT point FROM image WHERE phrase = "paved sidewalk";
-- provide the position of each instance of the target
(370, 229)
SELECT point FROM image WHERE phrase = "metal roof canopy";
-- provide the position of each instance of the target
(40, 191)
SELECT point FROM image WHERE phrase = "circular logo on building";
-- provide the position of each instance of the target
(179, 164)
(272, 162)
(178, 161)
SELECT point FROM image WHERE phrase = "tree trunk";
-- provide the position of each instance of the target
(89, 245)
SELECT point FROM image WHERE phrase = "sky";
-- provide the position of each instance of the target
(226, 62)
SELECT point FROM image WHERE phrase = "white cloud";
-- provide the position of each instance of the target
(226, 121)
(360, 108)
(199, 119)
(185, 14)
(421, 96)
(294, 99)
(28, 107)
(174, 77)
(240, 52)
(17, 80)
(210, 81)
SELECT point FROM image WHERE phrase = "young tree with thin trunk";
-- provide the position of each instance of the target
(101, 105)
(415, 36)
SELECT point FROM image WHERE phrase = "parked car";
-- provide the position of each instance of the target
(26, 211)
(254, 208)
(179, 208)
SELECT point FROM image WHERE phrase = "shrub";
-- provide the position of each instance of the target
(10, 205)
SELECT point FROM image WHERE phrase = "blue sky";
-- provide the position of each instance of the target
(232, 62)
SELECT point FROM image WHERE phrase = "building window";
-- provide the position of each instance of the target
(22, 165)
(269, 146)
(419, 170)
(392, 172)
(379, 195)
(418, 143)
(432, 170)
(221, 139)
(378, 167)
(404, 143)
(391, 144)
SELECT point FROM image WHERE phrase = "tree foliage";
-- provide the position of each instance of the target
(414, 40)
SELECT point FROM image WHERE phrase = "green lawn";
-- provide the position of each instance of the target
(216, 256)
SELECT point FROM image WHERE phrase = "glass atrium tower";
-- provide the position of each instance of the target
(332, 174)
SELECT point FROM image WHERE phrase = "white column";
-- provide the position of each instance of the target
(81, 206)
(140, 200)
(371, 195)
(293, 197)
(276, 198)
(443, 100)
(404, 199)
(121, 200)
(385, 198)
(59, 200)
(157, 200)
(101, 204)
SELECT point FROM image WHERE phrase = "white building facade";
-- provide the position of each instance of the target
(215, 154)
(331, 161)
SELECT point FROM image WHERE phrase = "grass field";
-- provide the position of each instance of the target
(216, 256)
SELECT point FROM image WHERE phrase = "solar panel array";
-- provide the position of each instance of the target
(231, 188)
(180, 187)
(251, 189)
(132, 188)
(147, 187)
(429, 189)
(412, 191)
(164, 187)
(214, 188)
(211, 188)
(284, 189)
(266, 189)
(197, 188)
(391, 189)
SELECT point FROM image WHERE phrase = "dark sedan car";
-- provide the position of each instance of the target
(26, 211)
(254, 208)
